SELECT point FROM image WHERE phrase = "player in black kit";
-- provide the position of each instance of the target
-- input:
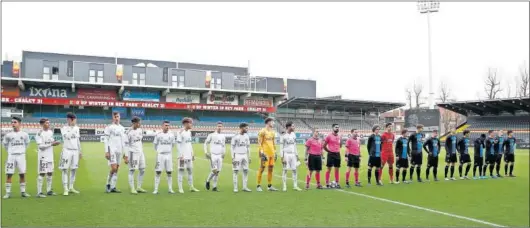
(509, 153)
(479, 157)
(432, 147)
(402, 156)
(491, 155)
(465, 158)
(450, 154)
(416, 147)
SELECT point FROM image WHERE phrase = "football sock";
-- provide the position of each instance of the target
(418, 172)
(498, 168)
(377, 171)
(8, 187)
(269, 175)
(131, 179)
(452, 171)
(234, 178)
(190, 176)
(391, 172)
(141, 173)
(327, 176)
(209, 177)
(284, 177)
(369, 175)
(460, 170)
(39, 184)
(65, 179)
(404, 174)
(491, 169)
(260, 174)
(511, 169)
(215, 178)
(446, 170)
(180, 177)
(427, 172)
(295, 178)
(337, 175)
(356, 175)
(72, 177)
(169, 181)
(348, 176)
(468, 167)
(157, 181)
(397, 174)
(308, 178)
(505, 169)
(245, 178)
(317, 178)
(23, 187)
(411, 172)
(49, 183)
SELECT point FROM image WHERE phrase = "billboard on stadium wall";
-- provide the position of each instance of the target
(223, 99)
(430, 118)
(48, 92)
(97, 94)
(134, 104)
(131, 95)
(183, 98)
(10, 91)
(258, 102)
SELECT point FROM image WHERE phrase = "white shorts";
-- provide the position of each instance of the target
(240, 162)
(185, 164)
(115, 158)
(290, 162)
(17, 161)
(45, 163)
(136, 161)
(164, 162)
(69, 159)
(216, 162)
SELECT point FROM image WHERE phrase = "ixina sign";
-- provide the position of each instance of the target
(133, 104)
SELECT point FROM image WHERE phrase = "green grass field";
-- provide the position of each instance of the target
(446, 203)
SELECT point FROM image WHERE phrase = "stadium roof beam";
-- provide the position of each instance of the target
(339, 105)
(484, 107)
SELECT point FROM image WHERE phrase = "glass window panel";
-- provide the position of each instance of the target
(135, 76)
(46, 70)
(92, 73)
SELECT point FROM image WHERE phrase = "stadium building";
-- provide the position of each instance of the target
(50, 85)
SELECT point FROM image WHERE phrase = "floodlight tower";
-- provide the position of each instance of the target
(428, 7)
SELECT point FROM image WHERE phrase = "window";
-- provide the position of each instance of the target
(135, 79)
(165, 74)
(142, 79)
(92, 76)
(55, 73)
(215, 83)
(174, 81)
(178, 78)
(100, 76)
(181, 81)
(46, 73)
(70, 68)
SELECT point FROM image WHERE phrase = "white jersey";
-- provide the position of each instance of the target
(240, 144)
(71, 138)
(16, 142)
(114, 138)
(44, 141)
(134, 140)
(164, 142)
(184, 145)
(217, 143)
(288, 144)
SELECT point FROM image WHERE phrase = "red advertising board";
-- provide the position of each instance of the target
(10, 91)
(96, 94)
(134, 104)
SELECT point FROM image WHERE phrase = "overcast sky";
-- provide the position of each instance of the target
(370, 51)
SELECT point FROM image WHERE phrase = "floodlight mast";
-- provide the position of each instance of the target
(428, 7)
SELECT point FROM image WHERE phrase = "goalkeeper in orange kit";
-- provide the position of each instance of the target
(267, 153)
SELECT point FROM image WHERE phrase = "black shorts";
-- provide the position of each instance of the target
(354, 161)
(451, 158)
(465, 158)
(314, 162)
(333, 160)
(491, 158)
(417, 159)
(374, 162)
(509, 158)
(499, 158)
(479, 161)
(402, 163)
(432, 161)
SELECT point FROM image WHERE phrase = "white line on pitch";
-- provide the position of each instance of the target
(395, 202)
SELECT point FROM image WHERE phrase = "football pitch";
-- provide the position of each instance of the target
(490, 202)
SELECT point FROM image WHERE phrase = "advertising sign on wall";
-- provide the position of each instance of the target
(135, 104)
(305, 111)
(258, 102)
(430, 118)
(140, 112)
(183, 98)
(121, 110)
(119, 73)
(48, 92)
(96, 94)
(10, 91)
(223, 99)
(131, 95)
(16, 69)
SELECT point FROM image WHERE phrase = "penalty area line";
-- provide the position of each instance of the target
(394, 202)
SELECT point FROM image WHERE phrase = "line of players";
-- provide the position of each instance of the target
(120, 144)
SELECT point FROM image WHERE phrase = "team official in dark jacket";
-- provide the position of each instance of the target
(465, 158)
(432, 147)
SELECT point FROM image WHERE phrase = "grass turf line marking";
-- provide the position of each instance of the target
(393, 202)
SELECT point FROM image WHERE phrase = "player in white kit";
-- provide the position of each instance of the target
(289, 155)
(45, 166)
(164, 142)
(185, 154)
(135, 150)
(240, 151)
(114, 141)
(70, 154)
(16, 143)
(216, 154)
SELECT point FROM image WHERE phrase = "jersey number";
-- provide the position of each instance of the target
(10, 165)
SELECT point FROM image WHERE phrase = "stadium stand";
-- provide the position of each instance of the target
(498, 114)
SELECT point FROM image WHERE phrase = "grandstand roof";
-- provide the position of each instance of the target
(339, 104)
(488, 107)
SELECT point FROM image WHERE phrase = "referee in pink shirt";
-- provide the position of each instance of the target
(353, 157)
(313, 159)
(332, 145)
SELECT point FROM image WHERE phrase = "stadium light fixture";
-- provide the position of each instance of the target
(428, 7)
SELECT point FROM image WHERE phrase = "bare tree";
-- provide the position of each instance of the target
(492, 84)
(418, 89)
(408, 93)
(523, 88)
(445, 92)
